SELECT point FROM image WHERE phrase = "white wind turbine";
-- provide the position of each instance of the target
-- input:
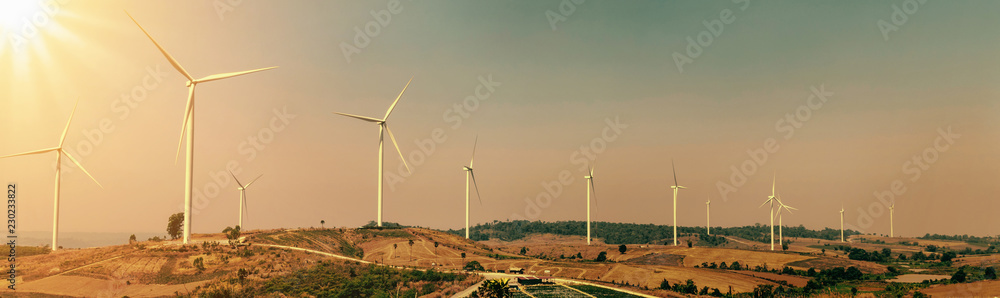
(590, 187)
(892, 210)
(770, 200)
(188, 124)
(243, 196)
(59, 153)
(676, 187)
(782, 206)
(469, 174)
(841, 223)
(708, 216)
(382, 130)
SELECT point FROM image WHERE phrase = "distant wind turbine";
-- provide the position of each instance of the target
(841, 223)
(676, 187)
(243, 196)
(892, 210)
(188, 124)
(708, 216)
(782, 206)
(59, 153)
(770, 200)
(469, 174)
(383, 129)
(590, 187)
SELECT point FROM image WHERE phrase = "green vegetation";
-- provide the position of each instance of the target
(24, 251)
(349, 279)
(602, 292)
(175, 225)
(493, 288)
(629, 233)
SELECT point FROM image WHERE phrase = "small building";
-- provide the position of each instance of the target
(527, 281)
(515, 270)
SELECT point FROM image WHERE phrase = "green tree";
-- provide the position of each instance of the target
(959, 276)
(524, 250)
(493, 288)
(854, 291)
(463, 256)
(665, 285)
(990, 273)
(232, 233)
(436, 247)
(690, 244)
(784, 246)
(131, 238)
(411, 249)
(947, 256)
(175, 225)
(322, 223)
(603, 256)
(474, 266)
(622, 248)
(199, 264)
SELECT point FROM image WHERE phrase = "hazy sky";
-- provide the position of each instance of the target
(558, 74)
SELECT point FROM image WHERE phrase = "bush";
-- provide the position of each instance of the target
(603, 256)
(474, 266)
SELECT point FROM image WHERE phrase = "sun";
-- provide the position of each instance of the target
(14, 12)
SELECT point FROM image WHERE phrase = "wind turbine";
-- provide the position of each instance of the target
(469, 174)
(188, 124)
(59, 153)
(770, 200)
(590, 187)
(841, 223)
(782, 206)
(708, 216)
(382, 130)
(243, 196)
(676, 187)
(892, 209)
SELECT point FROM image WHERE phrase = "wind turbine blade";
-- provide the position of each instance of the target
(473, 161)
(31, 152)
(187, 116)
(165, 54)
(369, 119)
(594, 190)
(765, 202)
(774, 181)
(81, 167)
(473, 174)
(252, 181)
(237, 179)
(66, 130)
(387, 112)
(231, 74)
(393, 138)
(593, 168)
(675, 172)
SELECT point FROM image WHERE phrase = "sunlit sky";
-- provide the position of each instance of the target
(555, 90)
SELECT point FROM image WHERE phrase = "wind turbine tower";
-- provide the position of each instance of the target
(590, 187)
(675, 187)
(469, 174)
